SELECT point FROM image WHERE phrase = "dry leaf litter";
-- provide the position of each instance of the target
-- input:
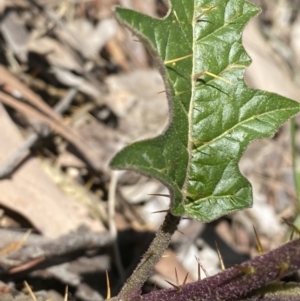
(76, 87)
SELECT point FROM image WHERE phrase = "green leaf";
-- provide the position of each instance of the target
(213, 114)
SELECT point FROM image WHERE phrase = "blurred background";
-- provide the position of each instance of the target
(76, 87)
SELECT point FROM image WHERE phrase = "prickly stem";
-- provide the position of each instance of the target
(131, 289)
(234, 284)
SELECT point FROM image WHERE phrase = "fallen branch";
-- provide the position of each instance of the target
(37, 252)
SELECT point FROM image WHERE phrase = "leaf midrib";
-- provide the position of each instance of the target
(190, 117)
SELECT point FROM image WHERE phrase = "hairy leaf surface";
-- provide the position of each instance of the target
(213, 114)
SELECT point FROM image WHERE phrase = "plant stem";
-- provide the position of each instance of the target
(240, 282)
(145, 268)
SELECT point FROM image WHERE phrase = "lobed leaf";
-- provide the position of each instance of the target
(213, 114)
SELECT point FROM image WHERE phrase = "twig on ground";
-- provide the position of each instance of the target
(79, 241)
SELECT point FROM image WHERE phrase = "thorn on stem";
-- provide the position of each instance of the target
(108, 295)
(199, 272)
(175, 286)
(66, 293)
(185, 279)
(222, 265)
(258, 243)
(176, 277)
(292, 226)
(202, 267)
